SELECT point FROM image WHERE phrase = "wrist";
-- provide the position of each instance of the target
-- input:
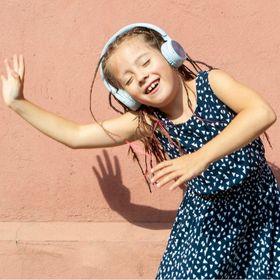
(205, 156)
(15, 104)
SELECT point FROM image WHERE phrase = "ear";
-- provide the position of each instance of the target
(126, 99)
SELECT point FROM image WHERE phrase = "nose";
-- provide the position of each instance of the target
(142, 77)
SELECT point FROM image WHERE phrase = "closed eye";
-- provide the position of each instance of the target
(146, 62)
(129, 81)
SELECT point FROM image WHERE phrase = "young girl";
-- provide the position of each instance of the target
(208, 124)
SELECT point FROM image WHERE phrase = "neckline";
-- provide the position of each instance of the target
(195, 111)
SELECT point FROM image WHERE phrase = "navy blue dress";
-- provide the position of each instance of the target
(228, 223)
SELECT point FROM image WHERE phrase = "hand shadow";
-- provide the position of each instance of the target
(118, 197)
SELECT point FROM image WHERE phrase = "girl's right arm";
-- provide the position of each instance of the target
(109, 133)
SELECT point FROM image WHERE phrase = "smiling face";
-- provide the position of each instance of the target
(143, 72)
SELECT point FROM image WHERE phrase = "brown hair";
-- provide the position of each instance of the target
(152, 146)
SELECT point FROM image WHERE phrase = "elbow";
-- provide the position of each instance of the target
(270, 117)
(70, 145)
(74, 142)
(73, 145)
(274, 117)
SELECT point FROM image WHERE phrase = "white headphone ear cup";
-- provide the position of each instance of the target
(173, 53)
(122, 96)
(109, 87)
(126, 99)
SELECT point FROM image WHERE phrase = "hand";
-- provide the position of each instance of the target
(181, 169)
(12, 86)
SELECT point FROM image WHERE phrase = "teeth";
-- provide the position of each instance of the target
(152, 86)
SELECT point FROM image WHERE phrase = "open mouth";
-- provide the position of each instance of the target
(152, 88)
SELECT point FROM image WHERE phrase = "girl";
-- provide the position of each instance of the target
(208, 124)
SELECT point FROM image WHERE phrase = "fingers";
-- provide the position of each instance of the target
(167, 171)
(166, 179)
(161, 165)
(164, 171)
(3, 79)
(21, 66)
(15, 75)
(178, 183)
(8, 68)
(18, 66)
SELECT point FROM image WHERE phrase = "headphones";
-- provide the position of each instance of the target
(172, 51)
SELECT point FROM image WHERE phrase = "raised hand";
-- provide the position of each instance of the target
(180, 169)
(12, 84)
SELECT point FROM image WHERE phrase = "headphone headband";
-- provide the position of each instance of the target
(131, 26)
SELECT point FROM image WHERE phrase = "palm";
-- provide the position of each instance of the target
(12, 85)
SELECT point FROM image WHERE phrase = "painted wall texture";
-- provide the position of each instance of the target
(88, 213)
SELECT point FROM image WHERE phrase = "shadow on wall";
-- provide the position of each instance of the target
(117, 196)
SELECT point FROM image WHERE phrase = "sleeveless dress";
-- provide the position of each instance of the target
(228, 223)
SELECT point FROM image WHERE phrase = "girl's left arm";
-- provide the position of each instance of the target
(254, 116)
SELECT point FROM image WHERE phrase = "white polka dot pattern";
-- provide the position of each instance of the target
(228, 223)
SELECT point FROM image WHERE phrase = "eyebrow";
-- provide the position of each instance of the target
(138, 58)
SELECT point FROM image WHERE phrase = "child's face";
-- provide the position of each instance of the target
(144, 73)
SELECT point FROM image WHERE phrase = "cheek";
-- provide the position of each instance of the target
(167, 71)
(175, 78)
(132, 91)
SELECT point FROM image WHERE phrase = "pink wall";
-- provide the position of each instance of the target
(59, 207)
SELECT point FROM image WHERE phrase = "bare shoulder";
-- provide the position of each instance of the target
(235, 94)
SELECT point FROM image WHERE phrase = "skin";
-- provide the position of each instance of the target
(254, 114)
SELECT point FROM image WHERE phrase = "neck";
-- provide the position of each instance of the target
(178, 107)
